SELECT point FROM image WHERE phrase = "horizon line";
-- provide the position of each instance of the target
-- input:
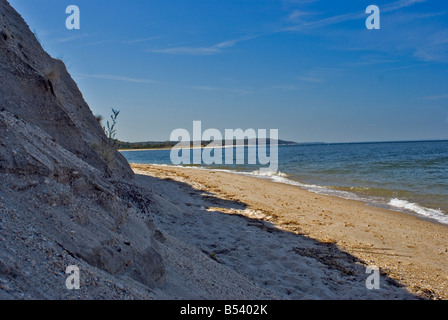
(303, 142)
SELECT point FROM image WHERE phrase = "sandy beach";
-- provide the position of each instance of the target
(300, 244)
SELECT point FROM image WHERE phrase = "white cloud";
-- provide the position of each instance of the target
(232, 90)
(435, 97)
(297, 15)
(119, 78)
(71, 38)
(318, 75)
(201, 51)
(288, 87)
(399, 4)
(134, 41)
(141, 40)
(197, 51)
(311, 79)
(369, 61)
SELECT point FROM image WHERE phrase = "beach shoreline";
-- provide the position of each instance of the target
(412, 251)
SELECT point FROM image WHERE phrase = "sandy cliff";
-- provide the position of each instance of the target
(65, 197)
(37, 89)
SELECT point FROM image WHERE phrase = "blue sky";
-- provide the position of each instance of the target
(306, 67)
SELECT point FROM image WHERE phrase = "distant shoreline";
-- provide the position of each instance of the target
(294, 144)
(145, 149)
(202, 147)
(169, 148)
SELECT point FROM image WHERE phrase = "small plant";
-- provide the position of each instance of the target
(110, 129)
(107, 149)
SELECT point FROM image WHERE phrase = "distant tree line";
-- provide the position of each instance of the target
(145, 145)
(169, 144)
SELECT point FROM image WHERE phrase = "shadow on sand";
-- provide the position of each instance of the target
(201, 208)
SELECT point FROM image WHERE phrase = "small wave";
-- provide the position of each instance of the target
(352, 193)
(378, 198)
(268, 173)
(437, 215)
(283, 178)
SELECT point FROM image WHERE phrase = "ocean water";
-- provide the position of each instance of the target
(411, 177)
